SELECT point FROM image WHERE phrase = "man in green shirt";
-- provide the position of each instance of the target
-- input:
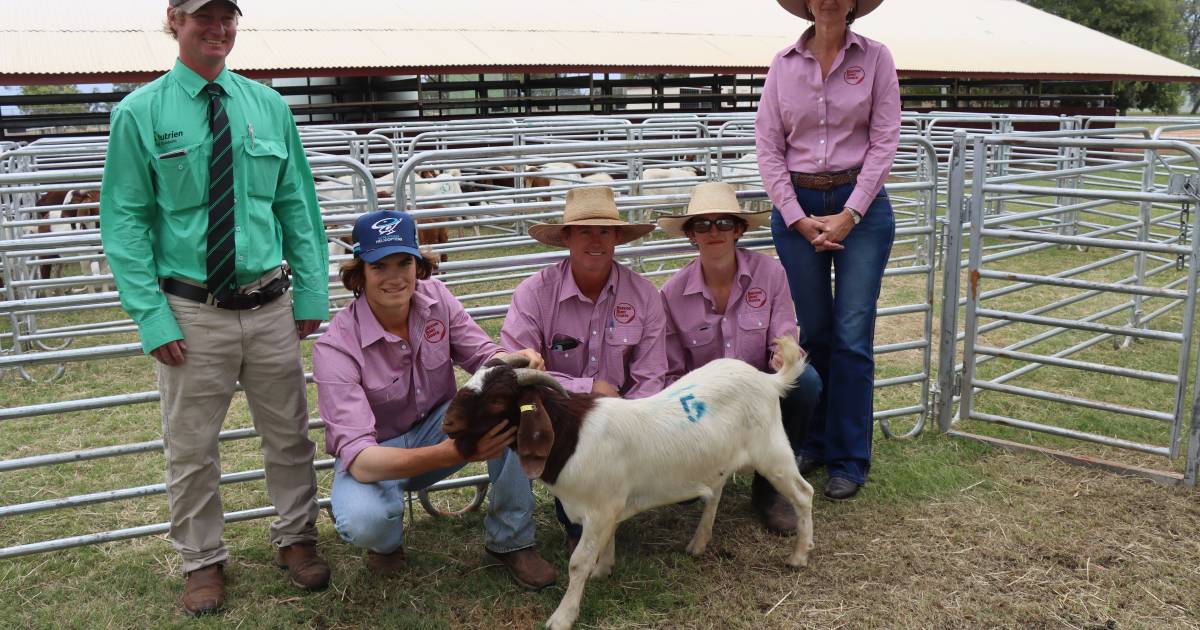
(206, 190)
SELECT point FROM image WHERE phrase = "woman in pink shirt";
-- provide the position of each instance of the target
(732, 303)
(385, 374)
(826, 132)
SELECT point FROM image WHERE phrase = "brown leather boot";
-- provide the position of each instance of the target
(527, 568)
(204, 591)
(306, 569)
(386, 563)
(775, 513)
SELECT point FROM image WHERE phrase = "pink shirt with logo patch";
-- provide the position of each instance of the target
(809, 125)
(759, 309)
(617, 339)
(372, 385)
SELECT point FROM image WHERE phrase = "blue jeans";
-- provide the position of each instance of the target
(371, 515)
(837, 324)
(797, 407)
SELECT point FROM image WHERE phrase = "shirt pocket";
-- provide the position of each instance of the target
(434, 355)
(182, 178)
(379, 396)
(698, 337)
(621, 342)
(264, 159)
(752, 338)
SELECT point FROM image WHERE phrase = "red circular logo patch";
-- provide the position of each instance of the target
(624, 313)
(756, 297)
(855, 75)
(435, 331)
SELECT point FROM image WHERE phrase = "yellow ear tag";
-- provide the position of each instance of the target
(525, 408)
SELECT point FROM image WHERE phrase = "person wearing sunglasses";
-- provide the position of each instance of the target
(733, 302)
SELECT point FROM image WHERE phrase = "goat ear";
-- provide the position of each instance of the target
(535, 436)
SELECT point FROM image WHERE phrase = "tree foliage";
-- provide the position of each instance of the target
(47, 90)
(1150, 24)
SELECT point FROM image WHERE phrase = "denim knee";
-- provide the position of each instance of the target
(370, 525)
(807, 389)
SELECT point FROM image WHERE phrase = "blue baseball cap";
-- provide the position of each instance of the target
(383, 233)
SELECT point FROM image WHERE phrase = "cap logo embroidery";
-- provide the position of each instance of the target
(756, 297)
(386, 226)
(855, 75)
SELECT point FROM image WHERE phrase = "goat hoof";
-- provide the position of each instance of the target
(558, 622)
(695, 549)
(798, 561)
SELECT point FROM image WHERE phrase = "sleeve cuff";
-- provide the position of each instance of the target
(158, 330)
(348, 452)
(309, 305)
(791, 212)
(859, 201)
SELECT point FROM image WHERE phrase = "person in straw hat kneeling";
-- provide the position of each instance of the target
(732, 302)
(598, 325)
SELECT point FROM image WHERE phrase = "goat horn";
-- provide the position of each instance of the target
(527, 376)
(516, 361)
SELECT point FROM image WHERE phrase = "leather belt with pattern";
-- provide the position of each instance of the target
(825, 181)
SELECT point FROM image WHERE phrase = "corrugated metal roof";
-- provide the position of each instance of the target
(928, 37)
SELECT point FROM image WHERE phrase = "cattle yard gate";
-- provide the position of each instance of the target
(1042, 259)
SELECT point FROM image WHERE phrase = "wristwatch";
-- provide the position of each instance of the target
(854, 214)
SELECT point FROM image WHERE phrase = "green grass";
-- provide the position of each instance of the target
(948, 533)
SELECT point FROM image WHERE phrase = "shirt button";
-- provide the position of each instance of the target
(418, 390)
(822, 142)
(241, 258)
(593, 359)
(181, 167)
(727, 345)
(237, 228)
(593, 332)
(822, 121)
(820, 99)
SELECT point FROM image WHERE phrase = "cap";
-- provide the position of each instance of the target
(383, 233)
(191, 6)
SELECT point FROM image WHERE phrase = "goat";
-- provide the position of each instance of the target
(557, 173)
(83, 220)
(607, 459)
(674, 174)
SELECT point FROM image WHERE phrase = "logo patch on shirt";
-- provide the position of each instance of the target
(855, 75)
(435, 331)
(167, 136)
(756, 297)
(624, 312)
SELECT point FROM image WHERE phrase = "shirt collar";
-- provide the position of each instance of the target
(800, 47)
(571, 290)
(369, 328)
(193, 83)
(695, 277)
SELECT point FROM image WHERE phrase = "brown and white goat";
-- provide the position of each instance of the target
(607, 459)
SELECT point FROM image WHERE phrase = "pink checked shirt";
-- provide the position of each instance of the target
(618, 338)
(759, 310)
(372, 385)
(809, 125)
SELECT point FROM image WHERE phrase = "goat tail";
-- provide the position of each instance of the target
(791, 366)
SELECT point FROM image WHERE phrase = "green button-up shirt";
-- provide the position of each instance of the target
(154, 197)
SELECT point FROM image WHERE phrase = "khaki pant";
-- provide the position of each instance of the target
(260, 349)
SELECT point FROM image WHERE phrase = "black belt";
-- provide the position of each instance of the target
(825, 181)
(249, 300)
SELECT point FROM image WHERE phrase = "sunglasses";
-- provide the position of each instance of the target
(702, 226)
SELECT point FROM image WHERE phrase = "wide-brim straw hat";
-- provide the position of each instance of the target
(712, 198)
(590, 205)
(800, 7)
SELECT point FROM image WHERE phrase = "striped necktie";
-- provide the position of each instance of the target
(222, 279)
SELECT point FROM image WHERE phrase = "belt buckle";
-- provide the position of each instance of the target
(254, 294)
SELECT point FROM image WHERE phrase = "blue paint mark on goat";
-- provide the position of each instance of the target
(694, 409)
